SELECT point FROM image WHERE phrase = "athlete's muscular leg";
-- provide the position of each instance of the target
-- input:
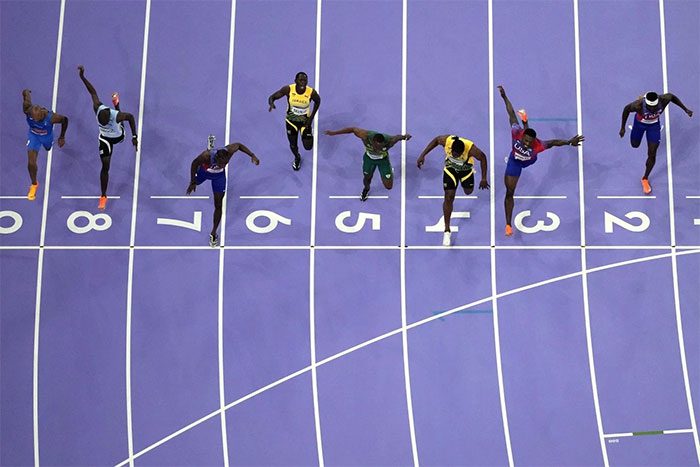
(32, 165)
(651, 158)
(447, 206)
(218, 203)
(293, 137)
(388, 182)
(635, 143)
(366, 180)
(510, 182)
(104, 174)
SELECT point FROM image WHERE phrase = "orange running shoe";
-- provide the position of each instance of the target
(31, 196)
(523, 115)
(646, 186)
(103, 203)
(115, 99)
(509, 230)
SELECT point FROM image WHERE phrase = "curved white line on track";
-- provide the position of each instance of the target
(400, 330)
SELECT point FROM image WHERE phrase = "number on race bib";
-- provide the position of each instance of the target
(16, 222)
(439, 226)
(611, 220)
(362, 217)
(98, 222)
(273, 218)
(195, 225)
(540, 226)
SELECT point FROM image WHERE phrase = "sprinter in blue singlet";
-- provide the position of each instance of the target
(41, 122)
(648, 108)
(211, 165)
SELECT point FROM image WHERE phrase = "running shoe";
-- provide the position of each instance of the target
(446, 238)
(103, 203)
(364, 195)
(296, 165)
(31, 196)
(210, 141)
(213, 240)
(509, 230)
(646, 186)
(115, 99)
(523, 115)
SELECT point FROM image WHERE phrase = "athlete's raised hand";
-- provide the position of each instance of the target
(502, 91)
(622, 132)
(81, 70)
(689, 112)
(577, 140)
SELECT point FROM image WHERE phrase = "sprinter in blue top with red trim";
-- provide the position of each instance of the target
(41, 122)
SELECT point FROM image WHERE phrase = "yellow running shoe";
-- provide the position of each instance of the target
(31, 196)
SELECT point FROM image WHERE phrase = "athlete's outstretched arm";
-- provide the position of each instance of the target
(26, 101)
(233, 147)
(359, 132)
(479, 155)
(629, 108)
(574, 141)
(121, 116)
(396, 138)
(196, 162)
(509, 107)
(63, 120)
(317, 103)
(673, 98)
(284, 91)
(91, 89)
(438, 140)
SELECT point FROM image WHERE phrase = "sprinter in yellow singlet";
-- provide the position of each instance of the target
(299, 116)
(459, 170)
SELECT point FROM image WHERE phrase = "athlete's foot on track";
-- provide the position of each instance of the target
(102, 204)
(296, 165)
(509, 230)
(446, 238)
(646, 186)
(213, 240)
(115, 99)
(31, 196)
(364, 195)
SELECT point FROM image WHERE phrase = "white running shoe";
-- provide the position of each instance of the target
(446, 238)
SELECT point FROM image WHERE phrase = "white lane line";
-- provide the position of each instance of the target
(539, 197)
(88, 197)
(132, 235)
(312, 252)
(399, 330)
(443, 197)
(270, 196)
(14, 197)
(672, 225)
(692, 197)
(584, 259)
(222, 242)
(412, 326)
(625, 197)
(356, 197)
(179, 197)
(404, 333)
(42, 239)
(647, 433)
(494, 288)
